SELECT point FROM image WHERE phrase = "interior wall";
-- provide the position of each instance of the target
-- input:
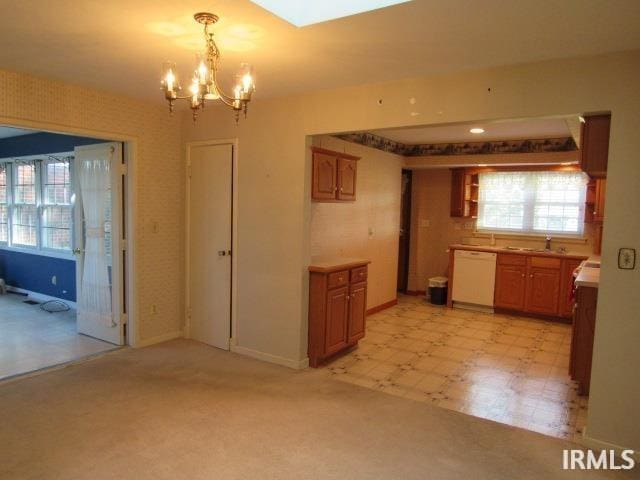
(369, 227)
(433, 230)
(274, 214)
(158, 196)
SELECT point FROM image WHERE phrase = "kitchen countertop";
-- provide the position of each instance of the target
(330, 264)
(488, 248)
(589, 276)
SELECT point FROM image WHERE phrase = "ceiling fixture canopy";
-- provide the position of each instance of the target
(204, 83)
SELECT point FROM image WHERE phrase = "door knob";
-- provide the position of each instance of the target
(77, 251)
(222, 253)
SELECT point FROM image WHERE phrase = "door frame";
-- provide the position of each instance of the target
(130, 149)
(233, 340)
(405, 217)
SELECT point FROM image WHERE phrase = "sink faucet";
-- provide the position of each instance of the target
(547, 245)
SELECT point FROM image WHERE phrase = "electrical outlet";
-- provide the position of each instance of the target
(54, 280)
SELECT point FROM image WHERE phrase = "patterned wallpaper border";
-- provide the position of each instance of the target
(542, 145)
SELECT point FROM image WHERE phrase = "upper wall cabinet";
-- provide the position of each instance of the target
(595, 145)
(464, 193)
(334, 176)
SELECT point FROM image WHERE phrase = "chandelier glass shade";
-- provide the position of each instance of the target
(204, 85)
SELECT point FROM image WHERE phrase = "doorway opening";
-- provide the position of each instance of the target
(519, 192)
(405, 231)
(63, 248)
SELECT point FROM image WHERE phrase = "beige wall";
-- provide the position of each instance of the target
(274, 214)
(158, 196)
(433, 229)
(343, 229)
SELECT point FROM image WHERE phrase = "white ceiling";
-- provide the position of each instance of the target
(493, 131)
(7, 132)
(120, 45)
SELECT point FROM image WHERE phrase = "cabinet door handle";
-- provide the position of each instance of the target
(531, 276)
(523, 275)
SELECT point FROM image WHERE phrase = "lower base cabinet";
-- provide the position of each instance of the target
(337, 308)
(584, 323)
(535, 284)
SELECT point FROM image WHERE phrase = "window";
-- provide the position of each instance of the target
(4, 205)
(25, 210)
(532, 202)
(56, 205)
(36, 203)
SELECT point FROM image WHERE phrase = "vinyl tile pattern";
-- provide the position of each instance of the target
(509, 369)
(32, 339)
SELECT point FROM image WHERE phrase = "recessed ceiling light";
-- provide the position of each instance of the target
(477, 130)
(482, 164)
(302, 14)
(567, 163)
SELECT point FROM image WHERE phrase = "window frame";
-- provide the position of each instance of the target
(529, 208)
(39, 161)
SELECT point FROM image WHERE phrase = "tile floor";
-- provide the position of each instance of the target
(31, 339)
(505, 368)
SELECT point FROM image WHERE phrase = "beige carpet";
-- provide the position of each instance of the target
(182, 410)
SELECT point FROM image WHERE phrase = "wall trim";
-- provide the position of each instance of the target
(416, 293)
(40, 297)
(165, 337)
(267, 357)
(382, 306)
(595, 444)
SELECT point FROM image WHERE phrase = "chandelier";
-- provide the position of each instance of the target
(204, 83)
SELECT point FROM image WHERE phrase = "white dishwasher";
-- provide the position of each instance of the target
(474, 279)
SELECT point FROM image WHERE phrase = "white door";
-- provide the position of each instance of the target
(209, 217)
(99, 241)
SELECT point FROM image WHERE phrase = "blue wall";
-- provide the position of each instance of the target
(30, 270)
(34, 272)
(41, 143)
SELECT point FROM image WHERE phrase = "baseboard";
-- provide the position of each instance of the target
(267, 357)
(165, 337)
(416, 293)
(383, 306)
(40, 297)
(595, 444)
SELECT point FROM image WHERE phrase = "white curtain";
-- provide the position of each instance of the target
(532, 202)
(95, 291)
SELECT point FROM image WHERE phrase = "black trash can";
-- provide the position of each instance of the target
(438, 290)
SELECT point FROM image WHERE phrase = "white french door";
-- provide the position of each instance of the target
(99, 241)
(209, 240)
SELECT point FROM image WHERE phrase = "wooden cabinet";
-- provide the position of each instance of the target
(337, 307)
(566, 287)
(594, 145)
(511, 272)
(325, 176)
(543, 291)
(584, 322)
(337, 320)
(357, 312)
(334, 176)
(535, 284)
(594, 204)
(464, 193)
(347, 173)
